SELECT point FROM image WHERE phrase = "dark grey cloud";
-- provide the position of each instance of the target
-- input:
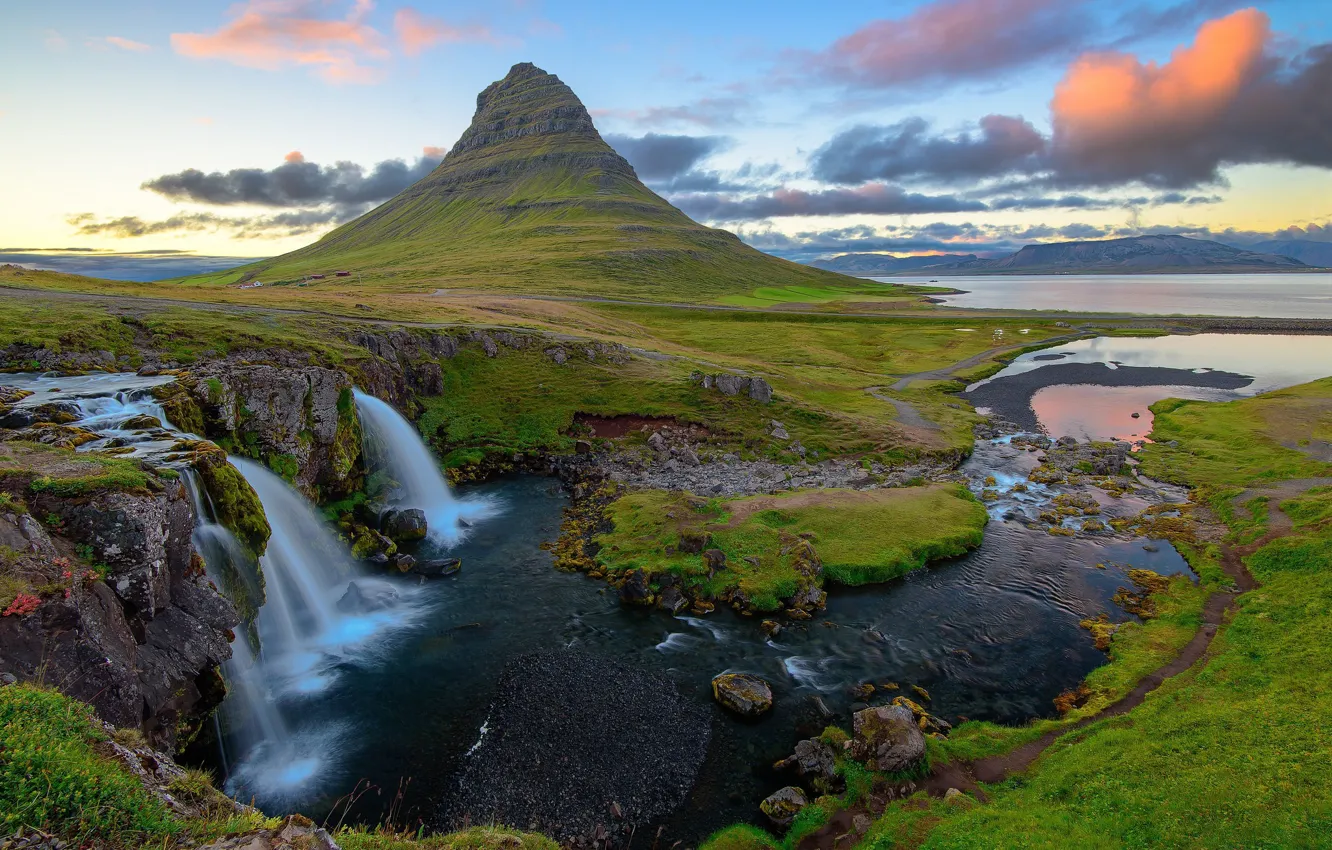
(294, 183)
(908, 151)
(871, 199)
(278, 225)
(657, 156)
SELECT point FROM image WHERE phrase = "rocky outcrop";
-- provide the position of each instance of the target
(295, 832)
(404, 526)
(735, 385)
(745, 694)
(135, 630)
(888, 738)
(782, 806)
(299, 420)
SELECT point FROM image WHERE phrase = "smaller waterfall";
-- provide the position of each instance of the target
(394, 446)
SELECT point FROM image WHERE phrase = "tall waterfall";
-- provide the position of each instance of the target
(394, 446)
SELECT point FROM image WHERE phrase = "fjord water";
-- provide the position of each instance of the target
(1291, 296)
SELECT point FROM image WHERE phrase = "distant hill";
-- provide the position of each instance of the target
(1131, 255)
(863, 264)
(531, 199)
(1306, 251)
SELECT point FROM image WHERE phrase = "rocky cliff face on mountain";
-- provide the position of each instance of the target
(532, 196)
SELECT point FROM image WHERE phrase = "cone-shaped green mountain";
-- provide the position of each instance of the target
(531, 199)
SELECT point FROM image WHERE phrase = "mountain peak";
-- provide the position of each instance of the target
(527, 102)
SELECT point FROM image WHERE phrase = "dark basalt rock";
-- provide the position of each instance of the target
(364, 597)
(745, 694)
(635, 590)
(438, 568)
(578, 744)
(782, 806)
(404, 526)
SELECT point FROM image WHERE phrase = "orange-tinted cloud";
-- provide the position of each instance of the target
(294, 156)
(418, 33)
(1108, 99)
(272, 34)
(127, 44)
(432, 152)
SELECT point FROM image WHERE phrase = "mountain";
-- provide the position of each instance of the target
(1305, 250)
(1131, 255)
(531, 199)
(863, 264)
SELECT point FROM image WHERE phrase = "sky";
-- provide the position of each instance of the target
(951, 126)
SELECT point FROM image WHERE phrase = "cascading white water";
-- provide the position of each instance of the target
(394, 446)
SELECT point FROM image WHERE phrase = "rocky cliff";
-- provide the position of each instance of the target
(104, 594)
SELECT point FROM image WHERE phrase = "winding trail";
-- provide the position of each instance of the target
(839, 832)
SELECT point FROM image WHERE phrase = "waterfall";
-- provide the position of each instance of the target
(394, 446)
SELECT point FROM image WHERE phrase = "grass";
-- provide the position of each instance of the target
(860, 536)
(52, 777)
(40, 469)
(1227, 754)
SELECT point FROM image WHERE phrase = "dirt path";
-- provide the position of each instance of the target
(947, 372)
(907, 414)
(970, 777)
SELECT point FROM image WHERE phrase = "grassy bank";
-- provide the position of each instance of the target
(1233, 751)
(859, 537)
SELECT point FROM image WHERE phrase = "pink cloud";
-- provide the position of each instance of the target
(432, 152)
(947, 39)
(273, 34)
(127, 44)
(1113, 112)
(418, 33)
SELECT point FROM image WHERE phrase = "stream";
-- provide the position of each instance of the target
(384, 696)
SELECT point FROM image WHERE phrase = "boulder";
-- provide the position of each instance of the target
(635, 590)
(760, 390)
(672, 600)
(815, 759)
(657, 443)
(294, 833)
(745, 694)
(782, 806)
(731, 384)
(582, 447)
(693, 542)
(438, 568)
(365, 597)
(405, 526)
(403, 563)
(714, 559)
(887, 738)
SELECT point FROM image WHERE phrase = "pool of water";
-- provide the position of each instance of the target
(1293, 296)
(993, 635)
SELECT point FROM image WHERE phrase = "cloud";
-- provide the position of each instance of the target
(296, 183)
(906, 150)
(709, 112)
(54, 41)
(418, 33)
(657, 156)
(127, 44)
(280, 225)
(1225, 99)
(1116, 121)
(946, 41)
(871, 199)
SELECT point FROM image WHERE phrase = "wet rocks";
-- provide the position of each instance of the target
(814, 761)
(745, 694)
(363, 597)
(672, 600)
(404, 526)
(438, 568)
(635, 590)
(578, 744)
(782, 806)
(887, 738)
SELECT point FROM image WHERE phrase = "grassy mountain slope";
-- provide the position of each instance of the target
(531, 199)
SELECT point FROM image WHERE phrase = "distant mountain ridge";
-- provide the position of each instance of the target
(531, 199)
(887, 263)
(1307, 251)
(1130, 255)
